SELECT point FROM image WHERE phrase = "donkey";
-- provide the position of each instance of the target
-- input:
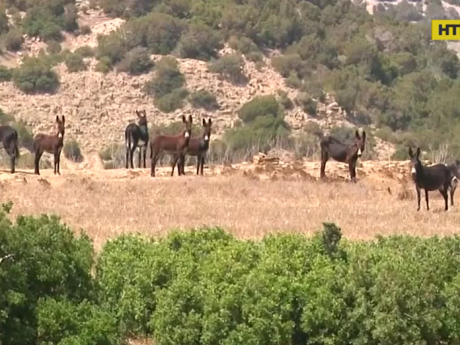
(51, 144)
(435, 177)
(137, 136)
(198, 147)
(455, 171)
(175, 145)
(332, 147)
(9, 138)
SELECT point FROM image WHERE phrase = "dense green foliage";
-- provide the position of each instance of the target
(35, 75)
(206, 287)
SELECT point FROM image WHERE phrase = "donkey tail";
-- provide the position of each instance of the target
(16, 150)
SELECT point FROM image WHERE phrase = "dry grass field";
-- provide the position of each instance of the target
(248, 200)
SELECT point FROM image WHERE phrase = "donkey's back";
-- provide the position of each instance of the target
(434, 177)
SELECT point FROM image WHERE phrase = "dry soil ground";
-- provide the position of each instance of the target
(248, 200)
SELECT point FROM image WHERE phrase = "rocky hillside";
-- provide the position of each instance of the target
(368, 75)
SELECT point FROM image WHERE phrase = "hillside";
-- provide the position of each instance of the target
(353, 72)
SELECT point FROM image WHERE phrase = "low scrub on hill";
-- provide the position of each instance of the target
(207, 287)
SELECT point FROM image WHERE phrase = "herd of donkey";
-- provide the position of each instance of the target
(441, 177)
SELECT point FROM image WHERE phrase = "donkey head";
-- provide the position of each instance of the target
(188, 126)
(359, 143)
(60, 126)
(207, 130)
(415, 163)
(142, 115)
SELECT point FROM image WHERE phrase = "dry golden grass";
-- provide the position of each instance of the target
(249, 201)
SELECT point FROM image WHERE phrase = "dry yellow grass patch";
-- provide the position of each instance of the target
(108, 203)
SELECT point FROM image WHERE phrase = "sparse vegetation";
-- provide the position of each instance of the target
(36, 76)
(75, 63)
(204, 99)
(230, 67)
(72, 151)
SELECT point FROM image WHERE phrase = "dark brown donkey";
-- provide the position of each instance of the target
(455, 171)
(333, 147)
(51, 144)
(9, 139)
(198, 147)
(435, 177)
(137, 135)
(174, 145)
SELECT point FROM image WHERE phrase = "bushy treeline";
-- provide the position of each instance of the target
(206, 287)
(382, 68)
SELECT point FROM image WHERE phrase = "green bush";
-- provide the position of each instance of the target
(85, 51)
(72, 151)
(48, 261)
(85, 30)
(136, 62)
(231, 67)
(206, 287)
(6, 74)
(204, 99)
(200, 42)
(14, 40)
(104, 65)
(53, 47)
(171, 101)
(307, 104)
(75, 63)
(36, 76)
(168, 78)
(259, 106)
(25, 134)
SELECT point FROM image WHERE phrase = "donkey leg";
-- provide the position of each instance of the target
(59, 162)
(446, 198)
(324, 159)
(202, 165)
(153, 163)
(38, 155)
(175, 158)
(352, 170)
(131, 156)
(427, 202)
(139, 157)
(127, 157)
(198, 164)
(145, 154)
(12, 154)
(418, 198)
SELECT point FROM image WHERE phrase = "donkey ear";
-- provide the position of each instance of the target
(63, 118)
(145, 113)
(357, 135)
(190, 119)
(57, 118)
(411, 153)
(418, 152)
(204, 122)
(183, 119)
(363, 135)
(209, 122)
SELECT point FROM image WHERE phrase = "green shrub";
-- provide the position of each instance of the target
(112, 47)
(72, 151)
(136, 62)
(104, 65)
(25, 134)
(171, 101)
(6, 74)
(75, 63)
(113, 156)
(259, 106)
(168, 78)
(48, 261)
(14, 40)
(53, 47)
(204, 99)
(231, 67)
(85, 51)
(307, 104)
(200, 42)
(36, 76)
